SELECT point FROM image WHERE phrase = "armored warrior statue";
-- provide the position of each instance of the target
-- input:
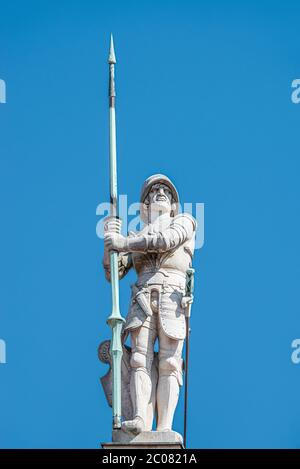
(161, 253)
(141, 383)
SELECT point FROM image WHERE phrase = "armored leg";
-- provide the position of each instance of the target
(142, 340)
(170, 378)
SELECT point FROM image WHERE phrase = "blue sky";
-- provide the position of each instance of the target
(204, 95)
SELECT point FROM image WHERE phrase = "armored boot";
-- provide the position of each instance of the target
(134, 426)
(140, 391)
(167, 398)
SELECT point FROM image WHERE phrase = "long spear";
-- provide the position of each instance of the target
(115, 320)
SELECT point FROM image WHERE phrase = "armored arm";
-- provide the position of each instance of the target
(180, 230)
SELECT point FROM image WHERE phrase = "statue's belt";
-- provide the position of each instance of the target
(151, 280)
(161, 277)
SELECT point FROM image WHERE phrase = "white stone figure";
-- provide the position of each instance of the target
(160, 253)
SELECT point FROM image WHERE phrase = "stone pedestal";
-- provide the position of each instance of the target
(145, 440)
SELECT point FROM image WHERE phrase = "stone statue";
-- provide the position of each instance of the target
(160, 254)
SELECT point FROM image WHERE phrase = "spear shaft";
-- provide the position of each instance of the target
(115, 320)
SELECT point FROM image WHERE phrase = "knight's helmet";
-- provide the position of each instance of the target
(157, 179)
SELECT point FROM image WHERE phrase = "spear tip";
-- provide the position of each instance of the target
(111, 57)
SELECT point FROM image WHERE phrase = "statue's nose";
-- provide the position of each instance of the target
(161, 190)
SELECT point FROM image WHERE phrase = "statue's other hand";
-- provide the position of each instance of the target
(186, 300)
(114, 242)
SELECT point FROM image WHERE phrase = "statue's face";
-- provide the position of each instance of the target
(160, 198)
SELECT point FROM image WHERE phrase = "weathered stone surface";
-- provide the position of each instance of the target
(145, 440)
